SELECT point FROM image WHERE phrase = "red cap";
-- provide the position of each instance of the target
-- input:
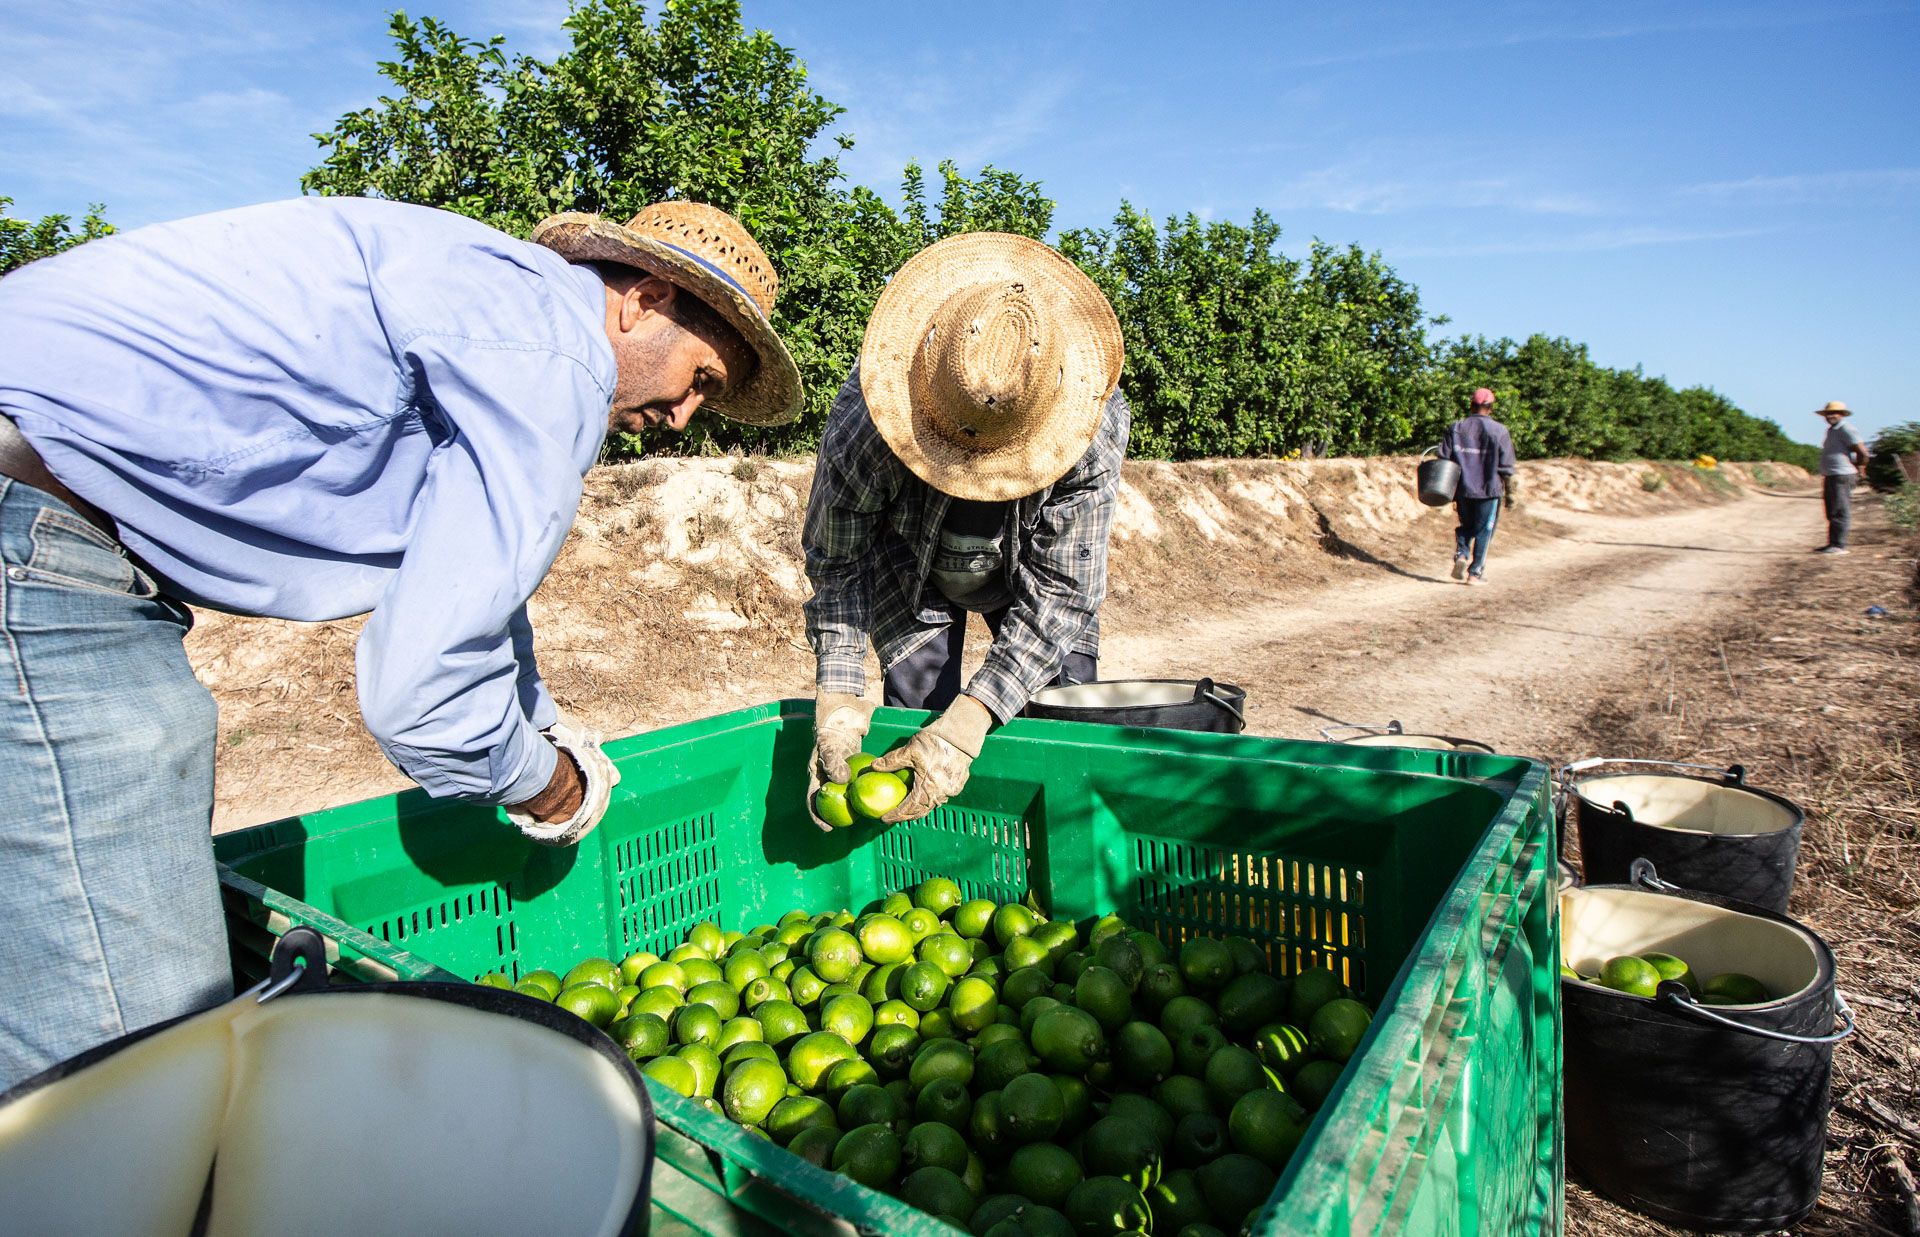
(1482, 396)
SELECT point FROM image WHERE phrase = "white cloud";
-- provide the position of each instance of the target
(1361, 188)
(1809, 186)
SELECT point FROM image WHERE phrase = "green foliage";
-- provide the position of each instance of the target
(1903, 506)
(1652, 482)
(22, 241)
(1883, 464)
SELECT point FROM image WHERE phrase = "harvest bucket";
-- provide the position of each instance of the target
(1394, 735)
(1438, 480)
(1172, 704)
(1700, 1116)
(491, 1112)
(1713, 834)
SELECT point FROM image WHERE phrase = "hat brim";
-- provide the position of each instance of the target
(1829, 412)
(773, 395)
(1091, 356)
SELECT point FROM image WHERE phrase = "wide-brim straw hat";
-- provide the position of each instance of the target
(707, 252)
(1833, 405)
(987, 365)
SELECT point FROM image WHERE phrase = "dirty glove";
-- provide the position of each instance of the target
(839, 727)
(582, 746)
(1508, 488)
(941, 756)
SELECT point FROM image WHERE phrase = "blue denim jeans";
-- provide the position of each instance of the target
(1475, 532)
(110, 914)
(929, 677)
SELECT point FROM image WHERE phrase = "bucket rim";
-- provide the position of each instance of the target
(1046, 697)
(1799, 813)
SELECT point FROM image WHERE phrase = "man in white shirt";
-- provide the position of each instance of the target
(1843, 456)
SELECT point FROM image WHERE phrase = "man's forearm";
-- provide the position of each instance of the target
(564, 792)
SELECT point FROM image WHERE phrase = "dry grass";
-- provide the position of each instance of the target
(1817, 700)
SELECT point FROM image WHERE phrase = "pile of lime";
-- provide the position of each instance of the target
(1641, 975)
(866, 795)
(1005, 1072)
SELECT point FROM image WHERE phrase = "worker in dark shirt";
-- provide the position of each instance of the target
(1484, 450)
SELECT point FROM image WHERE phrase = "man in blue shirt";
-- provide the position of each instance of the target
(307, 410)
(1484, 450)
(1843, 456)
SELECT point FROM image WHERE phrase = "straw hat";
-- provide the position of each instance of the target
(1833, 405)
(987, 364)
(707, 252)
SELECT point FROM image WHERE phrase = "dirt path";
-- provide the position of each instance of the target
(1551, 630)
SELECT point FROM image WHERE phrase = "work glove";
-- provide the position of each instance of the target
(582, 746)
(1508, 490)
(840, 724)
(941, 756)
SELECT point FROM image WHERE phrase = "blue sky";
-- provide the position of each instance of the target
(1726, 193)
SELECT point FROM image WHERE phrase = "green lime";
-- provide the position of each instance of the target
(1736, 989)
(1177, 1203)
(743, 968)
(1119, 1146)
(946, 1100)
(1337, 1027)
(1077, 1097)
(1267, 1125)
(892, 1047)
(664, 974)
(796, 1113)
(1106, 926)
(1071, 966)
(1024, 985)
(738, 1055)
(882, 983)
(1105, 995)
(873, 794)
(813, 1055)
(1249, 1002)
(1001, 1062)
(673, 1073)
(830, 804)
(1311, 988)
(1193, 1050)
(1183, 1013)
(922, 924)
(696, 1024)
(1142, 1110)
(684, 953)
(706, 1066)
(495, 979)
(987, 1125)
(1634, 976)
(591, 1000)
(938, 1191)
(869, 1155)
(782, 1022)
(1231, 1072)
(973, 919)
(702, 971)
(1181, 1095)
(751, 1091)
(644, 1036)
(1039, 1221)
(806, 987)
(923, 986)
(884, 940)
(947, 951)
(738, 1031)
(764, 989)
(1143, 1053)
(600, 971)
(941, 1058)
(815, 1144)
(1199, 1138)
(1159, 984)
(1205, 963)
(1024, 951)
(1235, 1186)
(707, 937)
(866, 1104)
(1107, 1204)
(1248, 957)
(1314, 1083)
(634, 963)
(973, 1004)
(1031, 1011)
(1068, 1039)
(996, 1209)
(1281, 1047)
(850, 1017)
(1032, 1108)
(1044, 1172)
(938, 1024)
(891, 1013)
(843, 1074)
(937, 894)
(537, 991)
(1122, 956)
(833, 954)
(933, 1144)
(660, 1001)
(545, 979)
(718, 994)
(1011, 922)
(858, 762)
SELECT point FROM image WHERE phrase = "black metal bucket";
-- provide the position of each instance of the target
(1172, 704)
(1438, 480)
(1394, 735)
(1700, 1116)
(1713, 834)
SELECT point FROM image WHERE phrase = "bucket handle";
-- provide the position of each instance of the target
(1394, 727)
(1642, 873)
(1203, 690)
(1434, 451)
(1675, 994)
(1733, 775)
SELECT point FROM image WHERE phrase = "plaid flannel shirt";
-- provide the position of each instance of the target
(871, 530)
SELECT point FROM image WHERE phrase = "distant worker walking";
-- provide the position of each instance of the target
(1484, 450)
(1843, 457)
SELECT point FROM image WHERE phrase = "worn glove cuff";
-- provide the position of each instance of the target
(583, 747)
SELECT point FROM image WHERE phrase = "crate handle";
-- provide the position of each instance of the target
(1676, 994)
(1326, 732)
(1733, 775)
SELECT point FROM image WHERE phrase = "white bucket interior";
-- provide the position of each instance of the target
(1119, 694)
(365, 1114)
(1425, 742)
(1687, 804)
(1598, 924)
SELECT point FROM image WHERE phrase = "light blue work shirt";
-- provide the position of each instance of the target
(330, 406)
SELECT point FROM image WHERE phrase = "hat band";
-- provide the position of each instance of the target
(715, 270)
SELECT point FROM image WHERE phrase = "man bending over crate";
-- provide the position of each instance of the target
(970, 465)
(308, 410)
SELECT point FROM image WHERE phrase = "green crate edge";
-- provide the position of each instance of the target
(742, 1161)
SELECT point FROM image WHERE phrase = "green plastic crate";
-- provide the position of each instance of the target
(1424, 878)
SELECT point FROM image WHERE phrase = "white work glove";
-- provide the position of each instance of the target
(840, 724)
(941, 756)
(583, 747)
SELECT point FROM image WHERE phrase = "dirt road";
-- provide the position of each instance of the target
(1550, 631)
